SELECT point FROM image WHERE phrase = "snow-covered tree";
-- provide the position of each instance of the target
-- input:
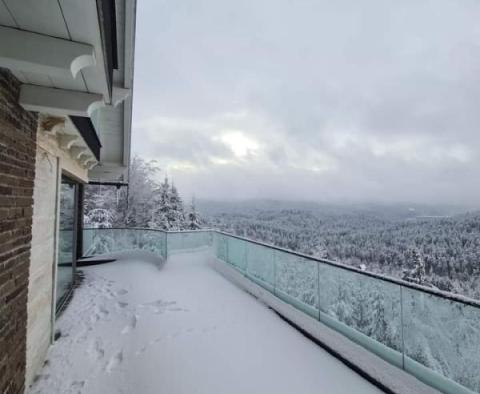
(161, 207)
(99, 218)
(193, 218)
(176, 214)
(142, 189)
(167, 212)
(417, 273)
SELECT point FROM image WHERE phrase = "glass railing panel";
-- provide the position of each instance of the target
(207, 237)
(260, 264)
(365, 309)
(101, 242)
(236, 253)
(188, 240)
(153, 241)
(109, 240)
(174, 242)
(296, 281)
(124, 239)
(191, 241)
(444, 336)
(196, 239)
(220, 246)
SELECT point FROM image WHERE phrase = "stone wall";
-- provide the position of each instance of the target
(17, 171)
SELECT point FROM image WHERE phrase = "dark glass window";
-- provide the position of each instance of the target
(67, 238)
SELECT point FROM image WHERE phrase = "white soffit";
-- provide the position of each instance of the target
(35, 55)
(70, 20)
(59, 102)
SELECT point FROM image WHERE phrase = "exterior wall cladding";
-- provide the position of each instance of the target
(17, 171)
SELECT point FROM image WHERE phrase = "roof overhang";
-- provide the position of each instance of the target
(75, 60)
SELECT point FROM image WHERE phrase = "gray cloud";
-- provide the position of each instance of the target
(320, 100)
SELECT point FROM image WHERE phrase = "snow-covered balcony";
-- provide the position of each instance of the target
(185, 321)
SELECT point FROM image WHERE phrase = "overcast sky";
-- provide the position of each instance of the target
(371, 100)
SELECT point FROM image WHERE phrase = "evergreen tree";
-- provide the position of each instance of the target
(193, 222)
(417, 273)
(176, 215)
(167, 212)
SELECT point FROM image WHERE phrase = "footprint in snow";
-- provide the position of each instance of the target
(98, 349)
(176, 309)
(114, 361)
(144, 348)
(41, 377)
(77, 385)
(160, 306)
(103, 311)
(132, 324)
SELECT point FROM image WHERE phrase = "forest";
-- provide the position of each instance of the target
(442, 243)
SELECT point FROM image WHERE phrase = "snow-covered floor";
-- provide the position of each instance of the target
(134, 328)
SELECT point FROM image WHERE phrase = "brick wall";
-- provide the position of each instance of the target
(17, 171)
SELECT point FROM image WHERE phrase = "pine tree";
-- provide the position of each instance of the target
(417, 273)
(194, 220)
(176, 214)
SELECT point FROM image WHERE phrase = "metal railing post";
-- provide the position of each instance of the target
(401, 327)
(274, 272)
(226, 250)
(245, 256)
(318, 291)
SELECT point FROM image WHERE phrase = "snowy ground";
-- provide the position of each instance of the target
(135, 328)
